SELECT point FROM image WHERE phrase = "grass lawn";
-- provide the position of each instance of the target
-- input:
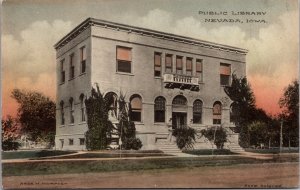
(33, 154)
(108, 155)
(209, 152)
(87, 166)
(271, 151)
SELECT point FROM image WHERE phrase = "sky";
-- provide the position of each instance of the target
(30, 29)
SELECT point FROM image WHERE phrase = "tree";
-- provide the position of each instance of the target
(215, 135)
(99, 126)
(185, 136)
(36, 115)
(243, 106)
(290, 104)
(11, 131)
(126, 127)
(258, 133)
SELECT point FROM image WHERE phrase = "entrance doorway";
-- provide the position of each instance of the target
(179, 111)
(178, 119)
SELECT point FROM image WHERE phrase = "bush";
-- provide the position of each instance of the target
(10, 145)
(131, 143)
(218, 136)
(185, 136)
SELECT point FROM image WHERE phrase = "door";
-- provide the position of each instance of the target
(178, 119)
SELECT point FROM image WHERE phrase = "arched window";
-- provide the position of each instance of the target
(197, 111)
(159, 109)
(136, 108)
(217, 113)
(179, 100)
(113, 100)
(62, 113)
(82, 107)
(71, 101)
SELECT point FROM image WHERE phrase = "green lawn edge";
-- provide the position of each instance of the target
(87, 166)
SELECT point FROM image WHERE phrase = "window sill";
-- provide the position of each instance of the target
(82, 74)
(82, 123)
(71, 124)
(138, 123)
(124, 73)
(159, 123)
(71, 79)
(61, 126)
(156, 77)
(61, 83)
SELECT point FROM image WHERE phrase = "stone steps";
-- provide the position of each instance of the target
(167, 146)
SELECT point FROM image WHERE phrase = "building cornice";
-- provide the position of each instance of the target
(145, 32)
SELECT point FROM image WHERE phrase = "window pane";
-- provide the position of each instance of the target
(189, 64)
(159, 103)
(159, 116)
(135, 116)
(197, 118)
(169, 61)
(123, 54)
(124, 66)
(198, 65)
(136, 103)
(157, 59)
(225, 69)
(63, 76)
(217, 109)
(83, 54)
(224, 80)
(83, 66)
(179, 62)
(216, 121)
(179, 100)
(197, 107)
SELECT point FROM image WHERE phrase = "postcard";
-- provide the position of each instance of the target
(150, 94)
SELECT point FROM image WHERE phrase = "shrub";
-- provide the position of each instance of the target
(131, 143)
(10, 145)
(185, 137)
(216, 135)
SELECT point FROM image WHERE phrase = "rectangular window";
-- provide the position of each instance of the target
(157, 64)
(72, 67)
(83, 59)
(81, 141)
(71, 142)
(124, 59)
(178, 64)
(169, 63)
(225, 72)
(62, 71)
(199, 69)
(189, 66)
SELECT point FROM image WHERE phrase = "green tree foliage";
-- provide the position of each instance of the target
(126, 127)
(10, 133)
(244, 109)
(290, 115)
(258, 133)
(185, 137)
(217, 135)
(243, 99)
(99, 126)
(36, 114)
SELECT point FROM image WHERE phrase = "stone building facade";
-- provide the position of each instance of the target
(169, 80)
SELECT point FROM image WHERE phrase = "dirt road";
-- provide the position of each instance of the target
(273, 175)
